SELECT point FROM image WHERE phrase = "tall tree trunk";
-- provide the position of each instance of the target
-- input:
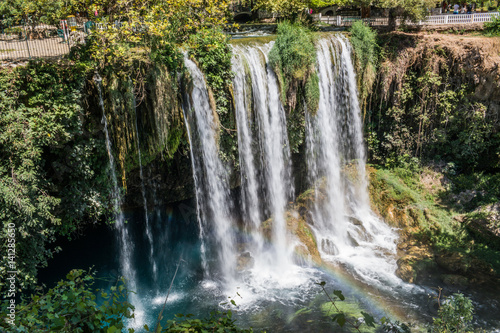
(254, 11)
(392, 19)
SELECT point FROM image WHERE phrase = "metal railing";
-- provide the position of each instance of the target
(343, 21)
(42, 41)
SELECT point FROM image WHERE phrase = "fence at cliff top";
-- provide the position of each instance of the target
(452, 19)
(42, 41)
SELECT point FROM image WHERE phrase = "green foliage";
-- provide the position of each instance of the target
(364, 42)
(486, 186)
(210, 48)
(293, 54)
(433, 116)
(293, 58)
(218, 321)
(52, 172)
(389, 326)
(343, 313)
(290, 9)
(151, 27)
(431, 216)
(71, 307)
(455, 315)
(366, 51)
(312, 93)
(492, 28)
(33, 12)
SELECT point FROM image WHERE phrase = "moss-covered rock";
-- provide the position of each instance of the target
(351, 310)
(484, 224)
(433, 235)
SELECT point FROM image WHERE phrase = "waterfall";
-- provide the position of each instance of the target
(346, 229)
(211, 181)
(125, 241)
(149, 233)
(250, 199)
(273, 154)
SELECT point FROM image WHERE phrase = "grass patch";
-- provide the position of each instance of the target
(403, 199)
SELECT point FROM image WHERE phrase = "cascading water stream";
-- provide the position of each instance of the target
(211, 182)
(274, 152)
(126, 244)
(251, 205)
(346, 229)
(149, 232)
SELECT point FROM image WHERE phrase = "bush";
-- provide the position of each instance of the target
(71, 307)
(293, 58)
(210, 47)
(293, 55)
(364, 42)
(492, 28)
(455, 315)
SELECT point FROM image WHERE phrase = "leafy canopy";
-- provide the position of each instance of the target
(52, 174)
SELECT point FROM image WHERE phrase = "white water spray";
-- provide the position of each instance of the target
(126, 244)
(274, 155)
(346, 229)
(212, 189)
(149, 232)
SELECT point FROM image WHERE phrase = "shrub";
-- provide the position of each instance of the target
(293, 58)
(293, 55)
(366, 50)
(364, 42)
(211, 49)
(455, 315)
(493, 28)
(71, 307)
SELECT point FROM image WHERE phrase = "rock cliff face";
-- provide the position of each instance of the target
(430, 89)
(436, 98)
(433, 238)
(469, 60)
(471, 63)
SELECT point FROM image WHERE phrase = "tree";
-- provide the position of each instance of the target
(53, 177)
(455, 315)
(155, 25)
(291, 8)
(413, 10)
(409, 9)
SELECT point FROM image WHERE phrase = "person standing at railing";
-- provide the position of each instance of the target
(456, 8)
